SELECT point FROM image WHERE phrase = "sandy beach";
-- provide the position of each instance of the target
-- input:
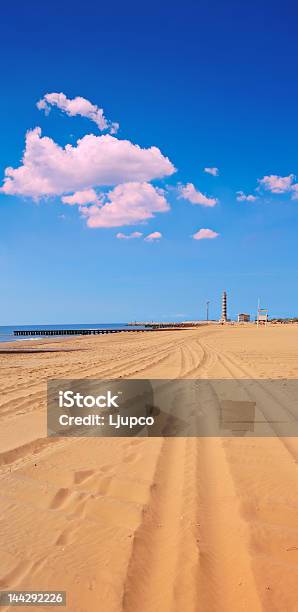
(149, 525)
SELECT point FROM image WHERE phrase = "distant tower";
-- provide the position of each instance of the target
(224, 317)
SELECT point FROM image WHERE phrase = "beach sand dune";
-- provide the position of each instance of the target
(149, 524)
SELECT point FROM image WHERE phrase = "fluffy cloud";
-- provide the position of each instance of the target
(241, 197)
(48, 169)
(77, 106)
(131, 236)
(205, 233)
(152, 237)
(277, 184)
(190, 193)
(88, 196)
(127, 204)
(212, 171)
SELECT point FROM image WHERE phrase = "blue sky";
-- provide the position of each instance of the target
(209, 85)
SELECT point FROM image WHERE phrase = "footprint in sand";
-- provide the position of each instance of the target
(61, 498)
(82, 475)
(79, 506)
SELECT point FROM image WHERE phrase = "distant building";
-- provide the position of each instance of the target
(243, 317)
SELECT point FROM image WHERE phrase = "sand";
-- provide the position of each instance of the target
(149, 525)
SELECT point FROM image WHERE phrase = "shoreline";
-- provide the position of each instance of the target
(212, 324)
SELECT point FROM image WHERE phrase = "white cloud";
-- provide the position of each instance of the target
(241, 197)
(77, 106)
(212, 171)
(153, 237)
(89, 196)
(49, 169)
(131, 236)
(190, 193)
(127, 204)
(277, 184)
(205, 233)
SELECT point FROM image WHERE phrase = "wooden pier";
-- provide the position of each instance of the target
(71, 332)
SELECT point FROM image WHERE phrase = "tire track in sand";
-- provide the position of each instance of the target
(191, 550)
(152, 570)
(264, 473)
